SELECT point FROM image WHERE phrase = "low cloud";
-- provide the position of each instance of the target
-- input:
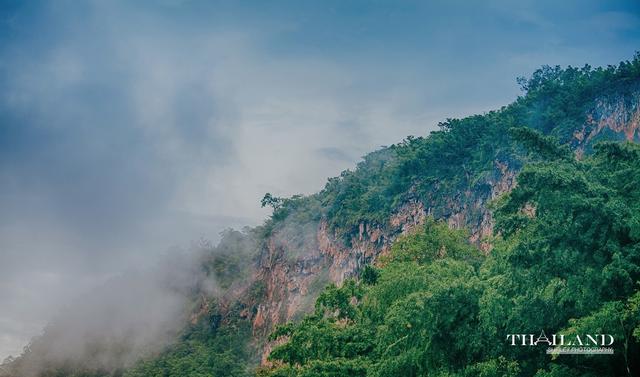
(130, 316)
(128, 128)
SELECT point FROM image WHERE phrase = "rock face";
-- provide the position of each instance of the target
(295, 274)
(613, 115)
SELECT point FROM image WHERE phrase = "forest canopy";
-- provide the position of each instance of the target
(566, 260)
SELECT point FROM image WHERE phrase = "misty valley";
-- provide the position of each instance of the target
(420, 261)
(334, 188)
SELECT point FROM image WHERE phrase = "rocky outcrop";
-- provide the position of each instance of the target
(292, 283)
(615, 116)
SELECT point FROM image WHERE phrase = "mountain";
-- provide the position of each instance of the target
(362, 224)
(450, 175)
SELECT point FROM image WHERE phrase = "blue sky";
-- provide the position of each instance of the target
(129, 127)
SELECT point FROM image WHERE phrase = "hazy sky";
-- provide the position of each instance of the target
(130, 127)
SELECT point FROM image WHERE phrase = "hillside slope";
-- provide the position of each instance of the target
(272, 274)
(451, 175)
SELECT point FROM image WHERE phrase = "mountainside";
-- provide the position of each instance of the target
(273, 274)
(450, 175)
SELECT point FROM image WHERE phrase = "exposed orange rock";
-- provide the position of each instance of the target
(293, 275)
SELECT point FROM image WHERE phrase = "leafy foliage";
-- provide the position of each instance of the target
(566, 255)
(461, 155)
(209, 348)
(434, 241)
(230, 260)
(566, 260)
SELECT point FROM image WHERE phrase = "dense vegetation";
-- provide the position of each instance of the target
(216, 343)
(210, 348)
(213, 343)
(461, 155)
(566, 261)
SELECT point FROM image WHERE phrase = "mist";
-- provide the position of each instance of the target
(129, 129)
(129, 317)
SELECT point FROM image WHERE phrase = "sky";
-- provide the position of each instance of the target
(131, 128)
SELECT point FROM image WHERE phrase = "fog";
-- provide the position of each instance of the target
(130, 316)
(129, 129)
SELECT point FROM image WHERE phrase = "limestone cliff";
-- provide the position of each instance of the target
(294, 274)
